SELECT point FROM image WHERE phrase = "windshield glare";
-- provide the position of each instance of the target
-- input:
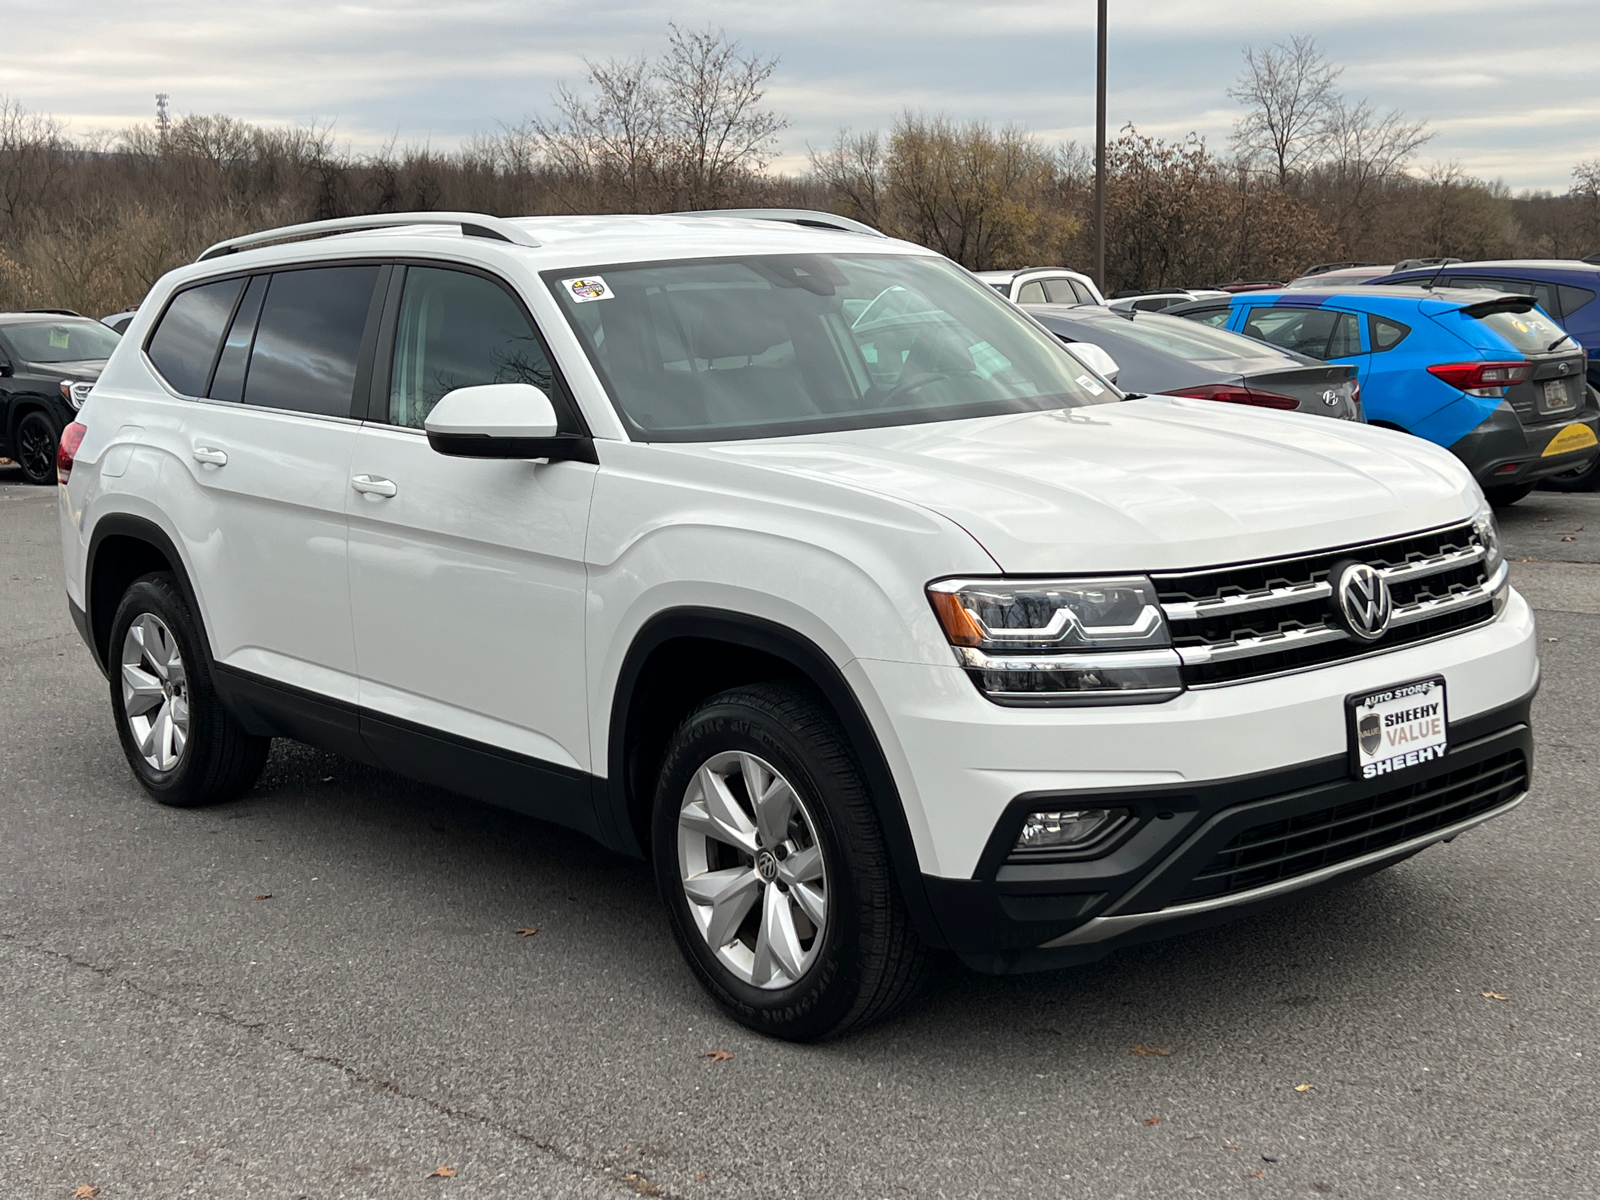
(774, 345)
(62, 341)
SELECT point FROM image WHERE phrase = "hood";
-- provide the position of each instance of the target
(1154, 484)
(85, 370)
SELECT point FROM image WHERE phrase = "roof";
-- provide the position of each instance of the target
(38, 318)
(1008, 276)
(1512, 264)
(1398, 297)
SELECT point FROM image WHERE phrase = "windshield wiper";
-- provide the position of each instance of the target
(1563, 338)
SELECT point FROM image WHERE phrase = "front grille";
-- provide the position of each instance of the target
(1230, 624)
(1265, 854)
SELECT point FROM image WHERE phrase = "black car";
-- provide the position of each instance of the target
(1156, 353)
(42, 354)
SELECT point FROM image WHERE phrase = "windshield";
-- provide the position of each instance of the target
(1530, 332)
(771, 345)
(62, 341)
(1185, 339)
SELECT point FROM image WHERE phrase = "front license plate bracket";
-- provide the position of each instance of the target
(1394, 730)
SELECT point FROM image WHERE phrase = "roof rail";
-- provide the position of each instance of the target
(472, 225)
(812, 218)
(59, 312)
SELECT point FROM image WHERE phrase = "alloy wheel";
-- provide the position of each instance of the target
(36, 450)
(155, 692)
(752, 869)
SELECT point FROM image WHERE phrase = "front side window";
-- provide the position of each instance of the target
(308, 340)
(184, 344)
(1214, 317)
(458, 330)
(774, 345)
(62, 341)
(1032, 292)
(1314, 332)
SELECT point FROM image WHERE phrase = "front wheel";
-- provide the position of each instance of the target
(769, 857)
(183, 746)
(36, 441)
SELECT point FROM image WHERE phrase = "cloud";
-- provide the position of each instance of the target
(1505, 85)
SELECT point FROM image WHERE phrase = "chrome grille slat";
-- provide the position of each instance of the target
(1253, 620)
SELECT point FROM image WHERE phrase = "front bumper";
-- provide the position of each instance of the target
(1195, 769)
(1503, 452)
(1310, 827)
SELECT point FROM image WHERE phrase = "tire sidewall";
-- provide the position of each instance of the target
(155, 594)
(822, 997)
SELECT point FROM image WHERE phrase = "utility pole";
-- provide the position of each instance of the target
(164, 116)
(1100, 155)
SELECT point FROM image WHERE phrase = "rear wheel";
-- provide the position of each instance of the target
(36, 440)
(1501, 497)
(181, 743)
(769, 857)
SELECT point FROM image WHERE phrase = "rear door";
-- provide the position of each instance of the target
(467, 574)
(267, 444)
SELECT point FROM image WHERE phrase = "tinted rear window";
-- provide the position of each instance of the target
(184, 344)
(1573, 298)
(1530, 332)
(309, 339)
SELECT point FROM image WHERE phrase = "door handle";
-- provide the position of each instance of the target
(211, 456)
(374, 485)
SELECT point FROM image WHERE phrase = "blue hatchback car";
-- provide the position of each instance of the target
(1484, 373)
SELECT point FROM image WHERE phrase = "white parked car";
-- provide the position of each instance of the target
(796, 561)
(1163, 300)
(1043, 285)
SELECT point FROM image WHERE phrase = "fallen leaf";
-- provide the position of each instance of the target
(1152, 1120)
(1258, 1173)
(529, 932)
(440, 1172)
(1569, 538)
(718, 1055)
(1552, 639)
(263, 896)
(1144, 1051)
(1230, 1145)
(85, 1191)
(1494, 996)
(641, 1185)
(700, 1178)
(1268, 1158)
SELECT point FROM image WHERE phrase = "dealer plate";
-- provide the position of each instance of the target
(1396, 729)
(1558, 396)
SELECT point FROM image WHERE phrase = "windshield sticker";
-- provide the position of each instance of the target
(1089, 382)
(58, 339)
(589, 287)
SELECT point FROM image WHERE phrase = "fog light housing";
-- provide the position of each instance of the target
(1070, 832)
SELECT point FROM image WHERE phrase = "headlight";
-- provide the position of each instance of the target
(75, 393)
(1060, 641)
(1486, 532)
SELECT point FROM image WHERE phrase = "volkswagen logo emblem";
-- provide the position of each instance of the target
(1361, 599)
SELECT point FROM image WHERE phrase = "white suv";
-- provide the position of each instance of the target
(797, 561)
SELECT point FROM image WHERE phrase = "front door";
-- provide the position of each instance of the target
(466, 575)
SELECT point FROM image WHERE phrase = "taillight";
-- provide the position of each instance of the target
(1233, 394)
(1482, 378)
(71, 439)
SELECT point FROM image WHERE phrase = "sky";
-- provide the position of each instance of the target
(1508, 87)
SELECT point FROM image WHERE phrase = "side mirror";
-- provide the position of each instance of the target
(502, 420)
(1097, 358)
(5, 370)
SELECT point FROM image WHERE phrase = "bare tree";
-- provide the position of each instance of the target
(712, 98)
(34, 155)
(853, 172)
(1586, 192)
(1288, 90)
(1364, 152)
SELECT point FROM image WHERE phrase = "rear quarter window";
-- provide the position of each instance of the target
(183, 346)
(1387, 334)
(1572, 298)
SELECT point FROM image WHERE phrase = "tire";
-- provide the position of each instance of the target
(1503, 497)
(863, 960)
(34, 447)
(183, 746)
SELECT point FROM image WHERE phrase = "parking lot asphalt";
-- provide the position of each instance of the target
(320, 990)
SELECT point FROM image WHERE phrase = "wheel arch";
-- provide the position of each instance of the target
(682, 656)
(121, 549)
